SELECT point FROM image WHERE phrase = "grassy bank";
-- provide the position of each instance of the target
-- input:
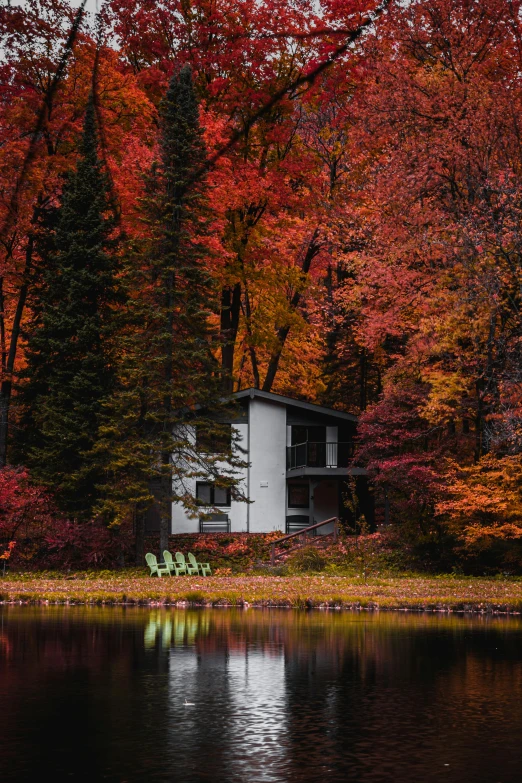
(442, 593)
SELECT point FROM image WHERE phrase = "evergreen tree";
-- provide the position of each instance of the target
(70, 363)
(184, 286)
(168, 380)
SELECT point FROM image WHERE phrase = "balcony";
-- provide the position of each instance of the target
(319, 455)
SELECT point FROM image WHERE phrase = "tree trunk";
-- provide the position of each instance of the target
(251, 349)
(282, 333)
(387, 517)
(139, 536)
(3, 343)
(166, 454)
(165, 505)
(230, 310)
(7, 382)
(363, 380)
(273, 364)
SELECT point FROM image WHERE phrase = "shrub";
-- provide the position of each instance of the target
(25, 510)
(80, 545)
(44, 538)
(482, 509)
(206, 545)
(306, 560)
(236, 548)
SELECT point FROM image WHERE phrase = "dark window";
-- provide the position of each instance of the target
(221, 496)
(298, 496)
(204, 493)
(301, 434)
(317, 454)
(316, 434)
(210, 495)
(214, 438)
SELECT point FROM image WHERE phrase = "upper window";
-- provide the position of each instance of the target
(214, 439)
(210, 495)
(301, 434)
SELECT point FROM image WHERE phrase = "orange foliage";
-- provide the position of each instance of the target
(484, 500)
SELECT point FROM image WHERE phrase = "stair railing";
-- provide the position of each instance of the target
(303, 532)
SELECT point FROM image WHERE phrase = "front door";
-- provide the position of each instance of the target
(326, 503)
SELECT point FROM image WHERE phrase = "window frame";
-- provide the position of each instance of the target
(212, 486)
(301, 486)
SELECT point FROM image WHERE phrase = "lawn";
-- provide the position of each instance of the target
(442, 593)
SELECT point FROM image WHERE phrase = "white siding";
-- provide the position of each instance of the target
(267, 441)
(238, 510)
(183, 523)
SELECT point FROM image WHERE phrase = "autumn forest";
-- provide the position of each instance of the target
(318, 198)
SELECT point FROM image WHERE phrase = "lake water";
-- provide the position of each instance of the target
(98, 694)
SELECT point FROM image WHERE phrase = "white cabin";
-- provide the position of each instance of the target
(298, 456)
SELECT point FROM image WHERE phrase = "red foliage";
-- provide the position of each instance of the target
(206, 545)
(237, 548)
(26, 510)
(393, 436)
(72, 545)
(43, 538)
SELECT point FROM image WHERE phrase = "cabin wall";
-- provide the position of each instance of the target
(267, 482)
(183, 523)
(265, 431)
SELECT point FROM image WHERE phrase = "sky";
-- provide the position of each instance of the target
(91, 5)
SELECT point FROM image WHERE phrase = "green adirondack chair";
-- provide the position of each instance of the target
(204, 568)
(156, 568)
(191, 570)
(173, 565)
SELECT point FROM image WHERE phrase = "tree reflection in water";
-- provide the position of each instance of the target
(99, 693)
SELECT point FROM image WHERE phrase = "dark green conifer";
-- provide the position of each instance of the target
(168, 370)
(185, 292)
(70, 364)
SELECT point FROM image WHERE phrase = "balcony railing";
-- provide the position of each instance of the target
(319, 455)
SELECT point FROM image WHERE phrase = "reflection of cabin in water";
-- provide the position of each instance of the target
(298, 457)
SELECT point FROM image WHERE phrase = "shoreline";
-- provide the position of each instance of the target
(474, 611)
(440, 594)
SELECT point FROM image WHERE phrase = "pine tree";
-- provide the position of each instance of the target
(70, 364)
(168, 370)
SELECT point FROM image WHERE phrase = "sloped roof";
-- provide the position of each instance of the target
(279, 398)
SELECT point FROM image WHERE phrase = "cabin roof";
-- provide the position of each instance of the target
(282, 400)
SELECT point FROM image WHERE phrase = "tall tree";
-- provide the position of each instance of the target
(169, 380)
(47, 66)
(70, 359)
(184, 286)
